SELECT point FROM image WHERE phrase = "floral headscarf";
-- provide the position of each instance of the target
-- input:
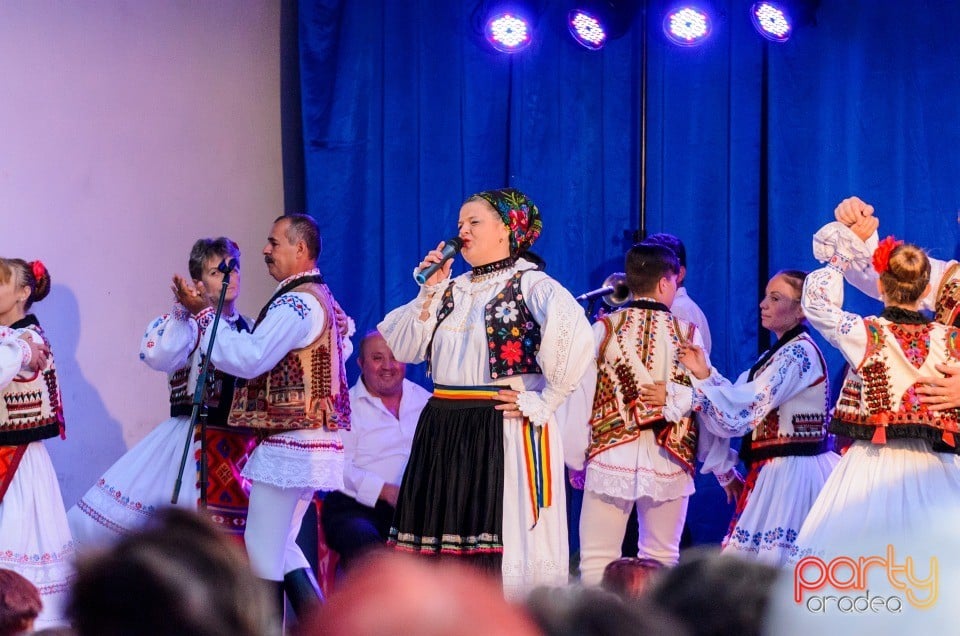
(519, 214)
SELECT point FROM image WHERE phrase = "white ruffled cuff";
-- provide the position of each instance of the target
(731, 475)
(679, 402)
(837, 245)
(533, 407)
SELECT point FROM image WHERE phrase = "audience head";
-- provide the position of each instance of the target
(904, 272)
(381, 373)
(178, 575)
(19, 604)
(780, 309)
(293, 245)
(715, 594)
(629, 577)
(22, 284)
(652, 271)
(392, 593)
(675, 245)
(589, 611)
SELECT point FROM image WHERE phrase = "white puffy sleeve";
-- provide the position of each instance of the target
(574, 414)
(566, 346)
(14, 354)
(408, 328)
(822, 303)
(731, 410)
(292, 321)
(170, 340)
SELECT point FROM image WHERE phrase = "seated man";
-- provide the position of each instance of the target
(385, 408)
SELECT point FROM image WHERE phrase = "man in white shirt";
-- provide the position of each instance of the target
(385, 408)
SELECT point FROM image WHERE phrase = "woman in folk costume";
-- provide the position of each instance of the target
(142, 481)
(779, 406)
(506, 344)
(35, 539)
(901, 473)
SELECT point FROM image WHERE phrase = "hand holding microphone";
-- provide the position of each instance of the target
(436, 265)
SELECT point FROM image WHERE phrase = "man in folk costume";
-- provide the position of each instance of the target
(293, 387)
(643, 442)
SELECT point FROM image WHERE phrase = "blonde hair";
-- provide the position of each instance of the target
(22, 273)
(907, 275)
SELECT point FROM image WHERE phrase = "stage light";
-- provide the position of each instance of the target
(507, 32)
(686, 26)
(586, 29)
(593, 23)
(507, 25)
(771, 20)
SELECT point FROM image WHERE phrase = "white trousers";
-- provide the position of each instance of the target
(603, 521)
(273, 523)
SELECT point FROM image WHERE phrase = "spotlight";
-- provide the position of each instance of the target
(507, 26)
(771, 20)
(687, 26)
(593, 23)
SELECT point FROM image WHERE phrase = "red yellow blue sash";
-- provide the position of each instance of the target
(536, 445)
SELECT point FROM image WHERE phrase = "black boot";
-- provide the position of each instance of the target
(302, 590)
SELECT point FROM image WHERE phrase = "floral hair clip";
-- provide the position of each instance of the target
(881, 256)
(38, 269)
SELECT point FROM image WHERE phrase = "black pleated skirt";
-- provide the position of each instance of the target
(451, 496)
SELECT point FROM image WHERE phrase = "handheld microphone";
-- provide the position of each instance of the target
(451, 247)
(596, 293)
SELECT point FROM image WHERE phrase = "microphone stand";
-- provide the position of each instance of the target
(199, 412)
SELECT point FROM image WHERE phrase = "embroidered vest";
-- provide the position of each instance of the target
(640, 347)
(217, 396)
(798, 427)
(31, 409)
(948, 297)
(308, 387)
(513, 336)
(879, 399)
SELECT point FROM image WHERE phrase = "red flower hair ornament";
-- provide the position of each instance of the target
(881, 256)
(38, 269)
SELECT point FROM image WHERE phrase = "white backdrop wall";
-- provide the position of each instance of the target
(127, 130)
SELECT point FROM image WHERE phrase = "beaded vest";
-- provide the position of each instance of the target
(797, 427)
(879, 400)
(308, 388)
(640, 347)
(31, 409)
(948, 297)
(217, 396)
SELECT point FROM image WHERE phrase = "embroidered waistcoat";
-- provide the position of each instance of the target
(307, 389)
(799, 426)
(948, 297)
(31, 409)
(513, 336)
(879, 399)
(640, 347)
(217, 396)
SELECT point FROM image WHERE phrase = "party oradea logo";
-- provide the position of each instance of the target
(875, 584)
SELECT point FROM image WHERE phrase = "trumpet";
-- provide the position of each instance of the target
(613, 291)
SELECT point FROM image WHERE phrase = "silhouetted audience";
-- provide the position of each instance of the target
(392, 593)
(590, 611)
(629, 577)
(19, 604)
(715, 594)
(178, 575)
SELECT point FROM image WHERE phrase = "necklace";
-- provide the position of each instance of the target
(483, 272)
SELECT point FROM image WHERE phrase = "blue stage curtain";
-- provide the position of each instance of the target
(406, 113)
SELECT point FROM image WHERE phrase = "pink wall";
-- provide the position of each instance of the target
(127, 130)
